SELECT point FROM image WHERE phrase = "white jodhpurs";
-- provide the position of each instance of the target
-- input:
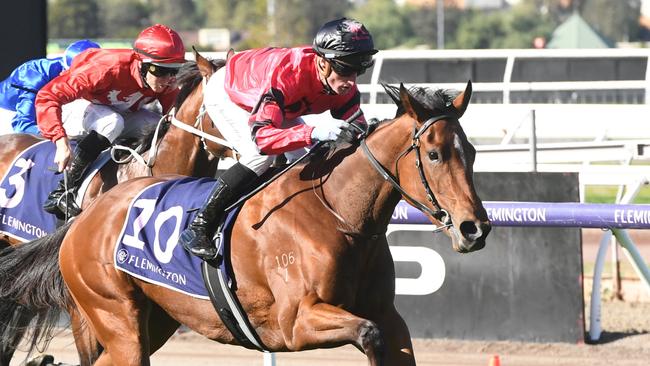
(81, 116)
(232, 122)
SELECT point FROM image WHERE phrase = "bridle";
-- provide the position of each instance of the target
(195, 129)
(438, 212)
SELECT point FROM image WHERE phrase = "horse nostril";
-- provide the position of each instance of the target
(470, 230)
(486, 227)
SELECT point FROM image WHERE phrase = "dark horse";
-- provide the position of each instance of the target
(175, 151)
(330, 215)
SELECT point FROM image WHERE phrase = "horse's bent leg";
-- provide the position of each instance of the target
(87, 346)
(399, 349)
(323, 325)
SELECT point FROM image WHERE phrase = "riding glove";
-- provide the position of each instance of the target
(327, 130)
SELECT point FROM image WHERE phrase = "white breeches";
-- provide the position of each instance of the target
(232, 122)
(81, 116)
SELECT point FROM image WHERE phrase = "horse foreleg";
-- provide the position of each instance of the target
(322, 325)
(88, 347)
(399, 349)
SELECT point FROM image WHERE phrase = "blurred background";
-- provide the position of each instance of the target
(217, 25)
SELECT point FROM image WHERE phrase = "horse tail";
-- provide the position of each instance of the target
(32, 291)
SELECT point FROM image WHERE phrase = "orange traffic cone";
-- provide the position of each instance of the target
(494, 361)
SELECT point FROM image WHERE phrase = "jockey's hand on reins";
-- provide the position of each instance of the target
(353, 132)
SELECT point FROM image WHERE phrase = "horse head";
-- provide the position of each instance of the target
(435, 168)
(193, 133)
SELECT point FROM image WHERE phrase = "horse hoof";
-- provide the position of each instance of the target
(42, 360)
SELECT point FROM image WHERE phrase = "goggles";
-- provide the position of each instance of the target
(160, 71)
(352, 65)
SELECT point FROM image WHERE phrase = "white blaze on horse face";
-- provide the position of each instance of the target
(458, 144)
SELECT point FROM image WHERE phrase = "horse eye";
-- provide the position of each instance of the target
(433, 155)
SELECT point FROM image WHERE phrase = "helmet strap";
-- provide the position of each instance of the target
(325, 70)
(143, 73)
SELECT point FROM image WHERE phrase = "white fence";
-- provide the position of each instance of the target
(505, 84)
(503, 68)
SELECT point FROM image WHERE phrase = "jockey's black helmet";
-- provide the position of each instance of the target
(345, 41)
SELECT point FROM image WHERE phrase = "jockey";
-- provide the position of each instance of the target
(103, 93)
(18, 91)
(271, 88)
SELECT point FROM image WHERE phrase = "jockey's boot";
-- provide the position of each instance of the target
(61, 202)
(197, 238)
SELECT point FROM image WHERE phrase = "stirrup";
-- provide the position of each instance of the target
(196, 244)
(60, 209)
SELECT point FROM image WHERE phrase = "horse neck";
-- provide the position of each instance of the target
(358, 192)
(177, 153)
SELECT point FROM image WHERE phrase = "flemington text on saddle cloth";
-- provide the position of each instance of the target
(147, 247)
(24, 189)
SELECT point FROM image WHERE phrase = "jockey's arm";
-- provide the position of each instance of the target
(268, 134)
(25, 118)
(63, 153)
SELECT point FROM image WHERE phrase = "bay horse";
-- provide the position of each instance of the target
(177, 151)
(329, 215)
(174, 151)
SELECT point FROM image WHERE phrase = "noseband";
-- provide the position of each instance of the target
(438, 212)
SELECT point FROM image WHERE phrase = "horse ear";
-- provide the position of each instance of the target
(411, 106)
(393, 93)
(462, 100)
(230, 53)
(205, 66)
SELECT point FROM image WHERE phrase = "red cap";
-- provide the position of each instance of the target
(160, 45)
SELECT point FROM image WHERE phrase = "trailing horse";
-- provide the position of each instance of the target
(168, 149)
(328, 215)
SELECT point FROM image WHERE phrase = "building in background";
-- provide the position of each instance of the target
(575, 32)
(216, 39)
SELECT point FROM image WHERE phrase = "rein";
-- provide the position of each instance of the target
(438, 212)
(195, 131)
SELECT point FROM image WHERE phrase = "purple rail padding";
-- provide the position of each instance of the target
(564, 214)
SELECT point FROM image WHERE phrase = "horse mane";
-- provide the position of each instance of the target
(188, 78)
(439, 100)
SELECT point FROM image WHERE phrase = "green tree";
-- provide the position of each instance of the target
(424, 23)
(124, 18)
(510, 28)
(249, 24)
(318, 12)
(178, 14)
(522, 24)
(217, 13)
(73, 19)
(385, 21)
(479, 30)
